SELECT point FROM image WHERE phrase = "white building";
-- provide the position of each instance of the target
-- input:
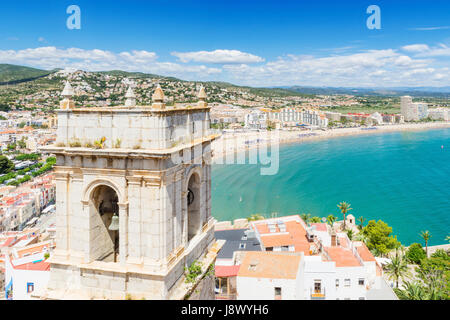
(439, 114)
(413, 111)
(26, 270)
(270, 276)
(328, 266)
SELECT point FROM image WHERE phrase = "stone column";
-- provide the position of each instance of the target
(135, 219)
(62, 213)
(123, 233)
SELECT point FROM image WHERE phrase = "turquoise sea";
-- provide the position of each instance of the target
(402, 178)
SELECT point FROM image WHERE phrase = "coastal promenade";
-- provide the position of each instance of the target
(239, 141)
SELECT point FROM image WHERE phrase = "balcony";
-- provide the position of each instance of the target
(317, 294)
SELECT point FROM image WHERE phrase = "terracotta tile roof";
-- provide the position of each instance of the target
(260, 264)
(277, 240)
(226, 271)
(343, 257)
(365, 253)
(32, 249)
(36, 266)
(296, 234)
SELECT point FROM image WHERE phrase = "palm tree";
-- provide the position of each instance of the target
(411, 291)
(350, 234)
(361, 222)
(305, 217)
(331, 219)
(315, 219)
(344, 207)
(426, 235)
(447, 238)
(398, 268)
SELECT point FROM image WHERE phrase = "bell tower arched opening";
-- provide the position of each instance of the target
(104, 208)
(193, 205)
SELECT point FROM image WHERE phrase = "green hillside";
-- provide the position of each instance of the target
(14, 74)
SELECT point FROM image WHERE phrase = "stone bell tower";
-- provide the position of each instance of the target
(133, 200)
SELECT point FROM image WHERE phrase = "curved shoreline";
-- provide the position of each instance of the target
(236, 142)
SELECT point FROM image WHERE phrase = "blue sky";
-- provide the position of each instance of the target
(258, 43)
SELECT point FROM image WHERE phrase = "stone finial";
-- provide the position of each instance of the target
(202, 94)
(158, 98)
(131, 98)
(202, 97)
(67, 93)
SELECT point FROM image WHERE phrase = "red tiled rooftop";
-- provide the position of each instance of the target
(226, 271)
(260, 264)
(365, 253)
(277, 240)
(36, 266)
(342, 257)
(295, 235)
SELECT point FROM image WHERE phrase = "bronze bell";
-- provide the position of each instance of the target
(114, 226)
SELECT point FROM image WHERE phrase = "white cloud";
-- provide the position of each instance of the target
(218, 57)
(373, 68)
(413, 65)
(102, 60)
(422, 50)
(416, 48)
(430, 28)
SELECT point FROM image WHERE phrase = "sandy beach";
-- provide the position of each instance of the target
(235, 142)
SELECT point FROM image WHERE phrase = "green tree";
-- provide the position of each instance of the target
(305, 217)
(411, 291)
(361, 222)
(350, 234)
(398, 268)
(22, 144)
(415, 253)
(379, 238)
(426, 235)
(6, 165)
(434, 272)
(344, 207)
(315, 219)
(331, 219)
(255, 216)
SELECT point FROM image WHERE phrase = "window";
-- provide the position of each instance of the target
(347, 282)
(317, 286)
(269, 249)
(337, 283)
(30, 287)
(361, 281)
(284, 248)
(277, 293)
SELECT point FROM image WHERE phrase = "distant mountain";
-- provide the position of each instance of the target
(12, 74)
(443, 92)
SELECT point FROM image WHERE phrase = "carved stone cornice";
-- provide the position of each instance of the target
(154, 181)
